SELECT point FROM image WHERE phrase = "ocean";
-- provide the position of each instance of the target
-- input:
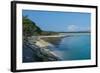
(74, 48)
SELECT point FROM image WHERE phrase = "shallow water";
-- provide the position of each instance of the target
(77, 47)
(74, 48)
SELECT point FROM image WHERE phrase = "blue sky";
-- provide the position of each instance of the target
(59, 21)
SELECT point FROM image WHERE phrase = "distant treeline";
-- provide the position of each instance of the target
(69, 32)
(76, 32)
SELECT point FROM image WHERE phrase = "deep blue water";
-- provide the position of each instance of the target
(74, 48)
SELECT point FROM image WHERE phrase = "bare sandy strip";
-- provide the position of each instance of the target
(42, 43)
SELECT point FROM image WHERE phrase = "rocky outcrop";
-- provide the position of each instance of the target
(39, 53)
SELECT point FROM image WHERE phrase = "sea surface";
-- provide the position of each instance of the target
(74, 48)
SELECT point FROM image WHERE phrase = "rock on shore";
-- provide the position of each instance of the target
(39, 52)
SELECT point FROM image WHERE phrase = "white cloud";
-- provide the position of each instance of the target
(72, 28)
(77, 28)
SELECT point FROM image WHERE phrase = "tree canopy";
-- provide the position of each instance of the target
(29, 27)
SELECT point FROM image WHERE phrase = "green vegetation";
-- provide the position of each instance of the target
(30, 28)
(49, 33)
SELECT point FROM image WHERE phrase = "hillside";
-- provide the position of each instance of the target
(30, 28)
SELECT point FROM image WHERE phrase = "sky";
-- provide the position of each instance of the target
(59, 21)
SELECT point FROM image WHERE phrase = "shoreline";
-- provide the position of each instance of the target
(43, 48)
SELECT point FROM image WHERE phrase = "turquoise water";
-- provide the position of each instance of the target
(74, 48)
